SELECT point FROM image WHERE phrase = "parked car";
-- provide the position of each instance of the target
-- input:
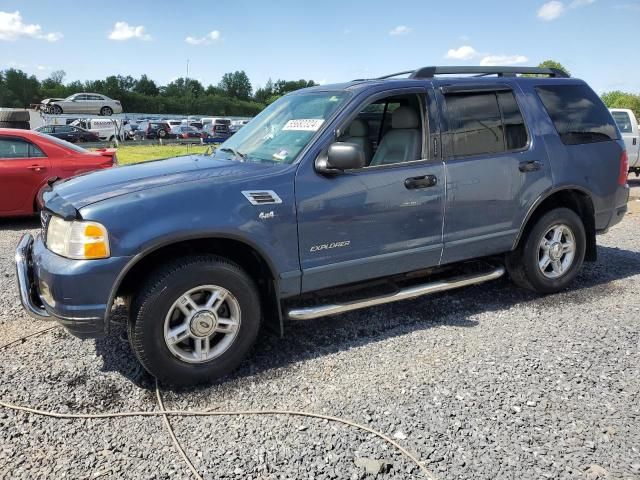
(237, 125)
(216, 127)
(29, 159)
(89, 103)
(457, 180)
(157, 130)
(628, 125)
(183, 131)
(69, 133)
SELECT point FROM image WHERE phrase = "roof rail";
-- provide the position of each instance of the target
(430, 72)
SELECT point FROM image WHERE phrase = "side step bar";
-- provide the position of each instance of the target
(310, 313)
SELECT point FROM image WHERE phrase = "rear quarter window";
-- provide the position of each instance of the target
(623, 121)
(578, 114)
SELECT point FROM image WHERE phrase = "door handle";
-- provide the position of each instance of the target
(531, 166)
(36, 168)
(424, 181)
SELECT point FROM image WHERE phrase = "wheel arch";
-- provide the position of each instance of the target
(239, 250)
(573, 197)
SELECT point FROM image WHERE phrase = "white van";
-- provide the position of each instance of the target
(107, 129)
(628, 125)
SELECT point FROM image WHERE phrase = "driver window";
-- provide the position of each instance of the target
(389, 130)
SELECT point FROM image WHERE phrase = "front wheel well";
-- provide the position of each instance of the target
(244, 255)
(575, 200)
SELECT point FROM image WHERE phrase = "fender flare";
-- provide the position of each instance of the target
(541, 198)
(183, 238)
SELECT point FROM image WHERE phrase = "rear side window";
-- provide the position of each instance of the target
(623, 121)
(483, 123)
(18, 148)
(578, 114)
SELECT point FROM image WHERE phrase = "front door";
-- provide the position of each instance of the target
(383, 219)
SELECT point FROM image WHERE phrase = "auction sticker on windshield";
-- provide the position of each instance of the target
(304, 124)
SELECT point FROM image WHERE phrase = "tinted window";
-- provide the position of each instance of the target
(13, 148)
(35, 152)
(515, 132)
(18, 148)
(623, 121)
(578, 114)
(475, 123)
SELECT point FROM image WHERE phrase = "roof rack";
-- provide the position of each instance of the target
(431, 72)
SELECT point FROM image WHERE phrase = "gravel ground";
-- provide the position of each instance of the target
(489, 382)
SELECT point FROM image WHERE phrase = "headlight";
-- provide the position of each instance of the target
(77, 239)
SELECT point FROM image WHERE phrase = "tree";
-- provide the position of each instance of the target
(25, 89)
(146, 86)
(554, 64)
(618, 99)
(264, 93)
(236, 85)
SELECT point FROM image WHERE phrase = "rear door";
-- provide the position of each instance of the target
(24, 168)
(493, 168)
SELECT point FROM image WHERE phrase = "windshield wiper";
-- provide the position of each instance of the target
(239, 155)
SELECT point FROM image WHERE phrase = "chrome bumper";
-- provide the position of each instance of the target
(26, 286)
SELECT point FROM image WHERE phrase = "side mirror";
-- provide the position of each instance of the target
(341, 156)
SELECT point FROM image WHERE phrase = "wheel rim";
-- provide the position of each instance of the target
(202, 324)
(557, 251)
(106, 111)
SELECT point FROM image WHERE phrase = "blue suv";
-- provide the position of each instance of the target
(334, 198)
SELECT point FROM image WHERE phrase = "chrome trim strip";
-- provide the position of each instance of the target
(249, 195)
(404, 294)
(22, 257)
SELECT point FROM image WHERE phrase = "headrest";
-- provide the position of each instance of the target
(358, 128)
(404, 117)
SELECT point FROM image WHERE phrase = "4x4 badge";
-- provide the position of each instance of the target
(266, 215)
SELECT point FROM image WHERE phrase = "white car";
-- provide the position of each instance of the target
(91, 103)
(628, 125)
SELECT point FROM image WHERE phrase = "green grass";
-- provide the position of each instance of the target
(135, 154)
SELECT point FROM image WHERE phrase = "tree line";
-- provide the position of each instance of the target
(233, 95)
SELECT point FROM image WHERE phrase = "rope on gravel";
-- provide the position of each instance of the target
(175, 441)
(206, 413)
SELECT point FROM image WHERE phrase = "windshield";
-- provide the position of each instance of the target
(283, 129)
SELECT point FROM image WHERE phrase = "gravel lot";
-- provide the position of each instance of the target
(489, 382)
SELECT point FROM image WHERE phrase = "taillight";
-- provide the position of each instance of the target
(624, 168)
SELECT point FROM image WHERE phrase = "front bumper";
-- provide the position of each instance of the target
(73, 292)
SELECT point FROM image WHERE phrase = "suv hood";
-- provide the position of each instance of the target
(84, 190)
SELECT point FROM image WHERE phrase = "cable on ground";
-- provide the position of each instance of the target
(201, 413)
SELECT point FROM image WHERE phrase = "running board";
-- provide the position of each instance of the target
(404, 294)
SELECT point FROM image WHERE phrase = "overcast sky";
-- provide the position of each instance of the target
(328, 41)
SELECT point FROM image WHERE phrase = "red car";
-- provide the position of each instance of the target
(28, 160)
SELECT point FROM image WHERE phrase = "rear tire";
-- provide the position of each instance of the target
(550, 256)
(178, 337)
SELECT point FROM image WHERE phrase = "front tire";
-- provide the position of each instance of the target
(195, 320)
(551, 255)
(106, 111)
(56, 110)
